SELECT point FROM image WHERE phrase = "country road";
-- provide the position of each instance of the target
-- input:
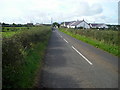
(70, 63)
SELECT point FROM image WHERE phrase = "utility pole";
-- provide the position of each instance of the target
(51, 21)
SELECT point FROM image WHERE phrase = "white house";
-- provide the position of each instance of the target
(83, 24)
(65, 24)
(96, 25)
(78, 24)
(70, 24)
(38, 24)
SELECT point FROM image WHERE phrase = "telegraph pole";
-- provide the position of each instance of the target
(51, 21)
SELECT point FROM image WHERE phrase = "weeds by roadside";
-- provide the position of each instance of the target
(105, 39)
(22, 54)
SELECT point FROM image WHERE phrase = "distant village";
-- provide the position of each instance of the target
(78, 24)
(82, 24)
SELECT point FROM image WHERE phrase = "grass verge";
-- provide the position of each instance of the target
(113, 49)
(33, 61)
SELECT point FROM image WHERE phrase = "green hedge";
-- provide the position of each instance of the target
(16, 53)
(106, 36)
(105, 39)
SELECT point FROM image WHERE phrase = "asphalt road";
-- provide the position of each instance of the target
(70, 63)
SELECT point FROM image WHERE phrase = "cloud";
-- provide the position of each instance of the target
(84, 9)
(23, 11)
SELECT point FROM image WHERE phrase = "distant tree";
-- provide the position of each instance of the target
(3, 23)
(55, 24)
(58, 25)
(13, 24)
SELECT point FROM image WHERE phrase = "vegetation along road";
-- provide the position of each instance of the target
(71, 63)
(36, 56)
(23, 50)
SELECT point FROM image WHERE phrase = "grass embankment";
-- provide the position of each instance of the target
(22, 57)
(103, 39)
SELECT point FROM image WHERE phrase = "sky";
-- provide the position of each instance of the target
(43, 11)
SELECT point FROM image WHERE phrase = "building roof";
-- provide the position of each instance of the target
(29, 23)
(72, 22)
(76, 23)
(66, 23)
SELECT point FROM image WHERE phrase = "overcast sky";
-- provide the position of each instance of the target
(41, 11)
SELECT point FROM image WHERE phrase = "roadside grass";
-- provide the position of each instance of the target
(22, 57)
(113, 49)
(33, 61)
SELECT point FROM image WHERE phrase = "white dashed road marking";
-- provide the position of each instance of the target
(82, 55)
(65, 40)
(78, 51)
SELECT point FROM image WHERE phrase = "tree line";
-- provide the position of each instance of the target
(15, 25)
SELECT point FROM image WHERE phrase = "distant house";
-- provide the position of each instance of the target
(65, 24)
(29, 24)
(96, 25)
(79, 24)
(37, 24)
(70, 24)
(83, 24)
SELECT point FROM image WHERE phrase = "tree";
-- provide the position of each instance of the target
(14, 24)
(55, 24)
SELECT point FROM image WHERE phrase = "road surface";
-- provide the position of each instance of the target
(70, 63)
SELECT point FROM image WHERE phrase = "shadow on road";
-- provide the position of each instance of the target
(54, 80)
(53, 74)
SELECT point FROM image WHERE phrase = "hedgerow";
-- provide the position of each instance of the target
(14, 52)
(107, 40)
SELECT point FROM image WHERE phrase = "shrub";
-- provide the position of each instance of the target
(14, 53)
(105, 39)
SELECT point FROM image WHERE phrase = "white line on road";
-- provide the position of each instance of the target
(65, 40)
(60, 35)
(82, 55)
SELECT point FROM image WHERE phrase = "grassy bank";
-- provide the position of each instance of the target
(105, 39)
(22, 57)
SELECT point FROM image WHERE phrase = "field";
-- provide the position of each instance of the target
(23, 52)
(10, 31)
(104, 39)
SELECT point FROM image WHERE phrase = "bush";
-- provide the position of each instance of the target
(106, 36)
(105, 39)
(14, 53)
